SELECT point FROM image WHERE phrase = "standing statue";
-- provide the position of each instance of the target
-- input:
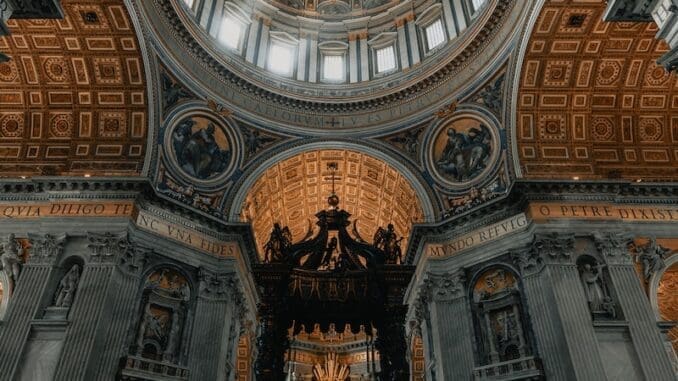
(593, 287)
(279, 241)
(651, 256)
(11, 259)
(173, 338)
(67, 287)
(388, 241)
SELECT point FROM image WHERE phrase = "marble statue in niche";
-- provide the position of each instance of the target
(201, 148)
(65, 293)
(461, 150)
(11, 259)
(595, 288)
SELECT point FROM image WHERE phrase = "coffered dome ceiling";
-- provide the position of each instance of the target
(73, 97)
(241, 79)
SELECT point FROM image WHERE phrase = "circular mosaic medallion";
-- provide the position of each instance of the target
(462, 149)
(201, 147)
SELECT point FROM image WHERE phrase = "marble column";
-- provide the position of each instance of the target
(636, 308)
(575, 316)
(364, 56)
(121, 307)
(301, 57)
(451, 323)
(313, 57)
(26, 300)
(546, 322)
(448, 17)
(213, 319)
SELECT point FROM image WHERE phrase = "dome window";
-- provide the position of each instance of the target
(477, 4)
(281, 59)
(435, 34)
(386, 59)
(189, 3)
(333, 61)
(231, 32)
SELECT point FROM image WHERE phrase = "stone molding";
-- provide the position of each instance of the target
(528, 261)
(132, 259)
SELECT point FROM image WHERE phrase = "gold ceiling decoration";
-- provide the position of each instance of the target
(73, 96)
(592, 102)
(294, 190)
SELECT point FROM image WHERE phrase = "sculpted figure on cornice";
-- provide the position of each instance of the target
(651, 256)
(10, 259)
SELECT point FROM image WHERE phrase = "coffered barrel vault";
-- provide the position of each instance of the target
(592, 101)
(73, 97)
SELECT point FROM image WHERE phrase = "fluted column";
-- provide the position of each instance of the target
(120, 311)
(451, 323)
(213, 318)
(364, 56)
(636, 307)
(353, 58)
(25, 303)
(556, 251)
(546, 321)
(302, 58)
(313, 57)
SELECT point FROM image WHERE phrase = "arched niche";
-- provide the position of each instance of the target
(164, 316)
(500, 319)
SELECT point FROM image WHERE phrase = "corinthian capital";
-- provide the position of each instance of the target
(528, 260)
(554, 247)
(216, 286)
(614, 247)
(45, 249)
(106, 247)
(448, 286)
(132, 257)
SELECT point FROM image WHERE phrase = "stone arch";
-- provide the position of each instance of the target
(403, 197)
